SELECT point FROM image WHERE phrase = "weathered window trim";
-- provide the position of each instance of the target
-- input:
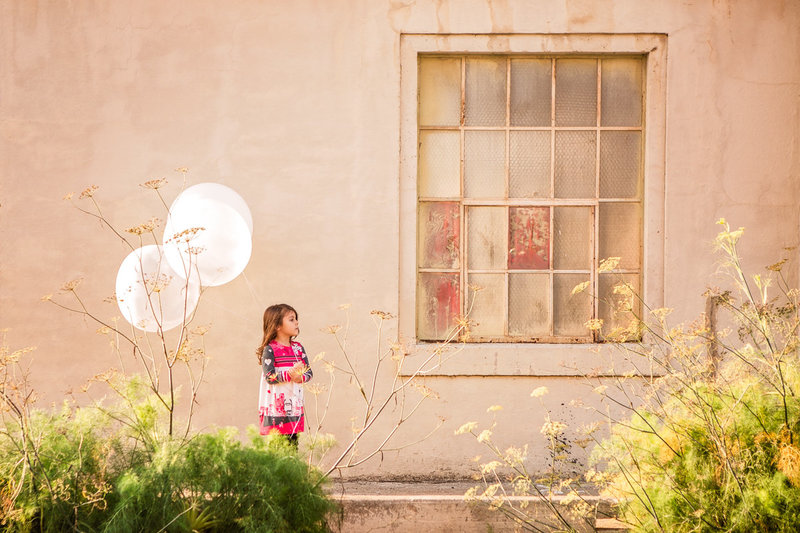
(526, 359)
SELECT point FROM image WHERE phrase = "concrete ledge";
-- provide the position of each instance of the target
(417, 507)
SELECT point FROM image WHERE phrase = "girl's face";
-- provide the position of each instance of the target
(289, 325)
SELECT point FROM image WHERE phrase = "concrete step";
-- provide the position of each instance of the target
(426, 507)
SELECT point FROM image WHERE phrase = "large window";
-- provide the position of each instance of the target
(529, 174)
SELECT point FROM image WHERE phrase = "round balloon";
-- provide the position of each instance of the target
(209, 238)
(217, 193)
(150, 293)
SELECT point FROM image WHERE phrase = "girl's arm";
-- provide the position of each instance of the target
(308, 374)
(268, 367)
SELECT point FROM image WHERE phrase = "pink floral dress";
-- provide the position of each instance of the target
(280, 402)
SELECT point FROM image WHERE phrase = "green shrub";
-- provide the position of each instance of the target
(714, 443)
(115, 470)
(215, 483)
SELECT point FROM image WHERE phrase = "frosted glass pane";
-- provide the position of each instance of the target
(572, 238)
(531, 89)
(528, 238)
(613, 307)
(489, 304)
(576, 92)
(439, 164)
(438, 304)
(620, 164)
(439, 231)
(576, 157)
(486, 237)
(529, 164)
(439, 91)
(571, 311)
(529, 304)
(485, 92)
(621, 92)
(621, 233)
(484, 164)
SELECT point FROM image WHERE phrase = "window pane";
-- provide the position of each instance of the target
(621, 93)
(531, 89)
(489, 304)
(484, 164)
(571, 310)
(486, 231)
(572, 238)
(529, 238)
(439, 231)
(485, 92)
(439, 164)
(620, 233)
(576, 92)
(529, 304)
(576, 156)
(438, 297)
(439, 91)
(615, 309)
(529, 164)
(620, 164)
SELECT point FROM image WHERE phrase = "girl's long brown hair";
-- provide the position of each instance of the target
(273, 317)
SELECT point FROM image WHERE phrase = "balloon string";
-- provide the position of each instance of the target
(256, 299)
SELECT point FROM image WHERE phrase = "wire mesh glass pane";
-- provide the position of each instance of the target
(485, 92)
(484, 164)
(528, 238)
(572, 238)
(486, 237)
(439, 91)
(576, 157)
(621, 91)
(438, 304)
(439, 233)
(576, 92)
(531, 90)
(620, 164)
(529, 164)
(529, 305)
(488, 307)
(621, 233)
(439, 173)
(571, 311)
(620, 303)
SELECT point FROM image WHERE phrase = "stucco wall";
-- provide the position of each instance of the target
(296, 105)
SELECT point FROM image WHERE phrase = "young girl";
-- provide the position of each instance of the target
(284, 369)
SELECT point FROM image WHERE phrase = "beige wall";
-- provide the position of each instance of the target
(296, 105)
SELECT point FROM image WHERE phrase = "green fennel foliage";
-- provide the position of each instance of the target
(714, 444)
(114, 469)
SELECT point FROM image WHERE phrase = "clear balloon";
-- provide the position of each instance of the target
(150, 293)
(209, 238)
(218, 193)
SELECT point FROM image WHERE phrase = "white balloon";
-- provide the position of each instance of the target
(218, 193)
(209, 238)
(149, 291)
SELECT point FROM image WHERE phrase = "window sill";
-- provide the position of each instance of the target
(538, 360)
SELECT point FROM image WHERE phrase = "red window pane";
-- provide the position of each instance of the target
(529, 238)
(438, 301)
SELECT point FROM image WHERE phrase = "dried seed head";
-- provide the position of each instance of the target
(154, 184)
(88, 192)
(71, 285)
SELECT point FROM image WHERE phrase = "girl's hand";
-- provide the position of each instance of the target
(297, 371)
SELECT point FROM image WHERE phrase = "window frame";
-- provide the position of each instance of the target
(552, 202)
(520, 358)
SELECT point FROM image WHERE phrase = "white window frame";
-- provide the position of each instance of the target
(532, 359)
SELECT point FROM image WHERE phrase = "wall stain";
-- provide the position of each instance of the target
(500, 16)
(399, 13)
